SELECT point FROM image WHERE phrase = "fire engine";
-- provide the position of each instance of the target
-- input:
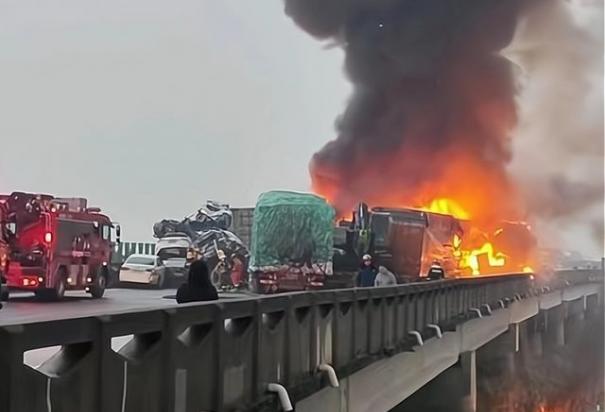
(4, 254)
(56, 245)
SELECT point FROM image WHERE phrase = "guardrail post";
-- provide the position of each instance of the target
(219, 325)
(11, 358)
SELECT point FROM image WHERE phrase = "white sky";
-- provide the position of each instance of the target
(148, 108)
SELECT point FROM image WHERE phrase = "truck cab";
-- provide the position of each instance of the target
(405, 241)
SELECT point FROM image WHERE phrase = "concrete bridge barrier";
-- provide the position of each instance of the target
(222, 356)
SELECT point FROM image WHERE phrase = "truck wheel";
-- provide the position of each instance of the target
(257, 287)
(98, 288)
(58, 292)
(161, 281)
(254, 285)
(216, 276)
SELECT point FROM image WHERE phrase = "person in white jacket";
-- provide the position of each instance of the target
(385, 277)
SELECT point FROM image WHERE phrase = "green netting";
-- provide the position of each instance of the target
(291, 227)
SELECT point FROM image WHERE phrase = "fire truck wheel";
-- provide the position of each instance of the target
(58, 291)
(98, 288)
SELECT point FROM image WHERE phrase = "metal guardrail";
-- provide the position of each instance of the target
(565, 277)
(221, 356)
(124, 249)
(121, 252)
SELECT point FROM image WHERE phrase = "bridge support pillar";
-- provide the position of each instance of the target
(468, 362)
(593, 306)
(573, 318)
(554, 326)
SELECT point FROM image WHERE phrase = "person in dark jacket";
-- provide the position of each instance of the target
(198, 287)
(436, 271)
(367, 272)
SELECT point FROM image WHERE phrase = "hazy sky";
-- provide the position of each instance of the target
(148, 108)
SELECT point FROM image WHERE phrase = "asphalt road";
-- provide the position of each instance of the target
(24, 308)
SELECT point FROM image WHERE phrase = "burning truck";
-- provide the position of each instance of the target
(408, 240)
(205, 234)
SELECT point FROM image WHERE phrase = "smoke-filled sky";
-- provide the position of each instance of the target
(150, 107)
(494, 105)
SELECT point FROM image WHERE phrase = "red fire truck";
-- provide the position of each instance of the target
(4, 253)
(56, 245)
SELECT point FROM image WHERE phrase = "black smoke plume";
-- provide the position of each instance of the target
(429, 84)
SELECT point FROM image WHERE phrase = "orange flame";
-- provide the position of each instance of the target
(447, 206)
(470, 258)
(477, 254)
(483, 248)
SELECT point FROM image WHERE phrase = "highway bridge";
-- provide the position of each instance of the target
(365, 349)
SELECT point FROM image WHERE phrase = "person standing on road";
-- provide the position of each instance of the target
(385, 277)
(198, 287)
(436, 272)
(367, 272)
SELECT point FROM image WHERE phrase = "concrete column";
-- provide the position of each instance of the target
(554, 333)
(516, 337)
(531, 337)
(449, 391)
(592, 307)
(468, 362)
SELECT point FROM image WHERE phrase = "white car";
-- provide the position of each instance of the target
(141, 269)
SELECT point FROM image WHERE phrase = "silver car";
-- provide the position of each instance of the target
(141, 269)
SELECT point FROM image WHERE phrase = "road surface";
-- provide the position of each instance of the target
(24, 308)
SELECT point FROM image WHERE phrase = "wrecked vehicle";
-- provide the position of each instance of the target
(292, 243)
(204, 234)
(227, 258)
(174, 252)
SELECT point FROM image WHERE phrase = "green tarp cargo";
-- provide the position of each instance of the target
(291, 228)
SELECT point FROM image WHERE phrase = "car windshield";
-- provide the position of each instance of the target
(141, 260)
(172, 252)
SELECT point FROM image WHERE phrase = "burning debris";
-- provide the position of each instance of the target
(431, 118)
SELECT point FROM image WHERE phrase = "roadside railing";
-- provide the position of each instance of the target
(221, 356)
